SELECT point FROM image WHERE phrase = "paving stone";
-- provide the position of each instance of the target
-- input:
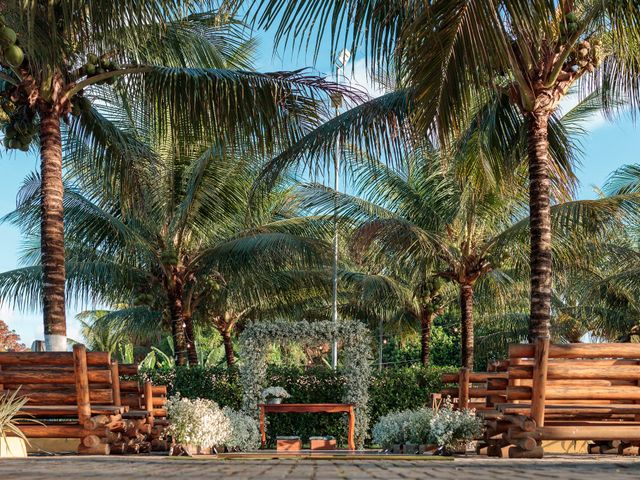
(475, 468)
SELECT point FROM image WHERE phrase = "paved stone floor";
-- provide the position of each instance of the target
(470, 468)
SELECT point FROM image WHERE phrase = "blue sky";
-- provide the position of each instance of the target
(606, 147)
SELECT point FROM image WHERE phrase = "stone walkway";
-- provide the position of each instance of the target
(471, 468)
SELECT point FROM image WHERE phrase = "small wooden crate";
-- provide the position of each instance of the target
(288, 444)
(323, 443)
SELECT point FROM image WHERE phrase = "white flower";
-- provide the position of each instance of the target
(245, 434)
(274, 392)
(197, 422)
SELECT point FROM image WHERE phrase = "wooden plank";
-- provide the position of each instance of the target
(307, 408)
(51, 358)
(580, 350)
(128, 369)
(580, 432)
(620, 392)
(115, 383)
(474, 377)
(82, 385)
(104, 396)
(56, 431)
(68, 410)
(539, 389)
(50, 378)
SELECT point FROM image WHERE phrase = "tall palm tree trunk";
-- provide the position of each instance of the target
(189, 331)
(178, 328)
(52, 231)
(540, 224)
(228, 347)
(466, 324)
(426, 321)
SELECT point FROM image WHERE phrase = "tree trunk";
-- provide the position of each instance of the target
(190, 335)
(466, 324)
(52, 231)
(426, 321)
(178, 329)
(540, 224)
(228, 347)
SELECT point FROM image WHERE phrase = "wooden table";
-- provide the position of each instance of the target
(347, 408)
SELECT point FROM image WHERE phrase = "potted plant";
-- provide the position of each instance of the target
(16, 445)
(196, 426)
(274, 395)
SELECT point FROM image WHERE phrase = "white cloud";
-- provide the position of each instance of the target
(359, 76)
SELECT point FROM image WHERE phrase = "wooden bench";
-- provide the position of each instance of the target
(477, 390)
(568, 392)
(70, 393)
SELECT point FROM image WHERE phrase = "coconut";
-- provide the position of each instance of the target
(90, 69)
(92, 58)
(7, 36)
(15, 143)
(99, 71)
(14, 55)
(25, 146)
(571, 17)
(10, 132)
(583, 52)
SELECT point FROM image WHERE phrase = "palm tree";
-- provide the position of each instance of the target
(451, 53)
(174, 56)
(189, 252)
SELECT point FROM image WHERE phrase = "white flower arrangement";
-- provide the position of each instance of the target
(447, 428)
(245, 433)
(407, 426)
(197, 422)
(452, 428)
(274, 392)
(203, 423)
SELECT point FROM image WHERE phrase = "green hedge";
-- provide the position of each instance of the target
(392, 389)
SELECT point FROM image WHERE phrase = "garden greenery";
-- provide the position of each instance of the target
(446, 427)
(202, 423)
(355, 371)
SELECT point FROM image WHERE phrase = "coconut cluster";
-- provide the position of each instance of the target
(569, 24)
(11, 53)
(98, 65)
(587, 54)
(19, 132)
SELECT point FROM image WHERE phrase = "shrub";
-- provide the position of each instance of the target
(450, 428)
(245, 434)
(446, 427)
(407, 426)
(197, 422)
(394, 389)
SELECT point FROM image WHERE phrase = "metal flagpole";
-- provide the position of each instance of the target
(341, 61)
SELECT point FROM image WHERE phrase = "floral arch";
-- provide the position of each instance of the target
(356, 371)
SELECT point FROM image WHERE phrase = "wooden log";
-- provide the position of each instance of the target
(129, 386)
(581, 350)
(44, 359)
(148, 396)
(463, 389)
(526, 424)
(82, 383)
(128, 369)
(58, 431)
(158, 445)
(118, 448)
(497, 383)
(44, 378)
(69, 397)
(100, 449)
(527, 443)
(159, 412)
(517, 452)
(620, 392)
(115, 382)
(159, 390)
(598, 370)
(91, 441)
(590, 432)
(539, 380)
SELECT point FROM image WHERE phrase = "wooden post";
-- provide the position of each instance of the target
(148, 400)
(352, 428)
(538, 393)
(82, 382)
(463, 388)
(115, 384)
(263, 433)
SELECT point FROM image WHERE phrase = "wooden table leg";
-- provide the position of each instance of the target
(352, 427)
(263, 433)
